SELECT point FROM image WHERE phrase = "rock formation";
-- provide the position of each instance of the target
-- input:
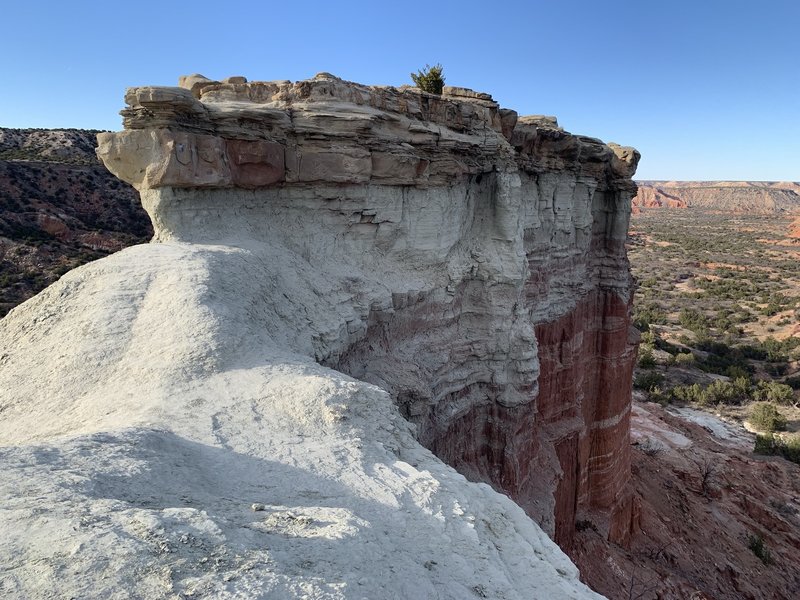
(648, 196)
(455, 261)
(724, 196)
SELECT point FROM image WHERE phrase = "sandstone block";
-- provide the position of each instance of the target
(462, 92)
(195, 83)
(346, 165)
(625, 160)
(395, 168)
(128, 154)
(508, 120)
(176, 158)
(256, 163)
(190, 160)
(170, 98)
(548, 121)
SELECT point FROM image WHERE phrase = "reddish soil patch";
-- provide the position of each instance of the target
(794, 229)
(692, 537)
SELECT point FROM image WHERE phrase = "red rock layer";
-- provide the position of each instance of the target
(563, 456)
(726, 196)
(652, 197)
(586, 361)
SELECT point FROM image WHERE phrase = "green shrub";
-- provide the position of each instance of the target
(648, 381)
(764, 416)
(725, 392)
(687, 394)
(741, 386)
(684, 358)
(429, 79)
(693, 321)
(645, 314)
(766, 444)
(772, 391)
(756, 544)
(772, 350)
(737, 372)
(770, 444)
(646, 358)
(790, 448)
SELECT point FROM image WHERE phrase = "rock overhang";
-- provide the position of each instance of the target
(236, 133)
(500, 243)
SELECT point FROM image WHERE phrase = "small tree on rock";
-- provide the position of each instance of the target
(429, 79)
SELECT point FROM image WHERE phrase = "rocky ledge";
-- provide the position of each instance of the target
(328, 257)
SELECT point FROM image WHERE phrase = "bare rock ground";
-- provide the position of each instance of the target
(705, 501)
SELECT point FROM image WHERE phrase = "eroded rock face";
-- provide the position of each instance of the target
(723, 196)
(476, 262)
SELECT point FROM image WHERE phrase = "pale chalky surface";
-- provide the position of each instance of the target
(328, 259)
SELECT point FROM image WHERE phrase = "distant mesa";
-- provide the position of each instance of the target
(723, 196)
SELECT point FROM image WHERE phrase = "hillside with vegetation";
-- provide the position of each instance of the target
(59, 208)
(718, 305)
(715, 428)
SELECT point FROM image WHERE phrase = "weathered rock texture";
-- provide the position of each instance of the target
(459, 262)
(694, 538)
(724, 196)
(490, 283)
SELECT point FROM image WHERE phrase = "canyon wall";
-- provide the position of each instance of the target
(724, 196)
(485, 251)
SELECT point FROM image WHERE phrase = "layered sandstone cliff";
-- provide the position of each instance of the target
(461, 264)
(724, 196)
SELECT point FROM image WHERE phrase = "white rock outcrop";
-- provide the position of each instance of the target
(150, 400)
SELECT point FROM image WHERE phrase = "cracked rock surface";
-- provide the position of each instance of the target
(361, 306)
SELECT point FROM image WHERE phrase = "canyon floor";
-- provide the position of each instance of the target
(706, 501)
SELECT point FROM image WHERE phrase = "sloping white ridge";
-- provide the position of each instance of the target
(149, 400)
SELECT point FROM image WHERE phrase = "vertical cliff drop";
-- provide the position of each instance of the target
(459, 262)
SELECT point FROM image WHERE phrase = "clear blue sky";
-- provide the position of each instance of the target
(705, 89)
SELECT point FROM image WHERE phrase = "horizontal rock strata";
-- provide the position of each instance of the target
(463, 261)
(723, 196)
(487, 250)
